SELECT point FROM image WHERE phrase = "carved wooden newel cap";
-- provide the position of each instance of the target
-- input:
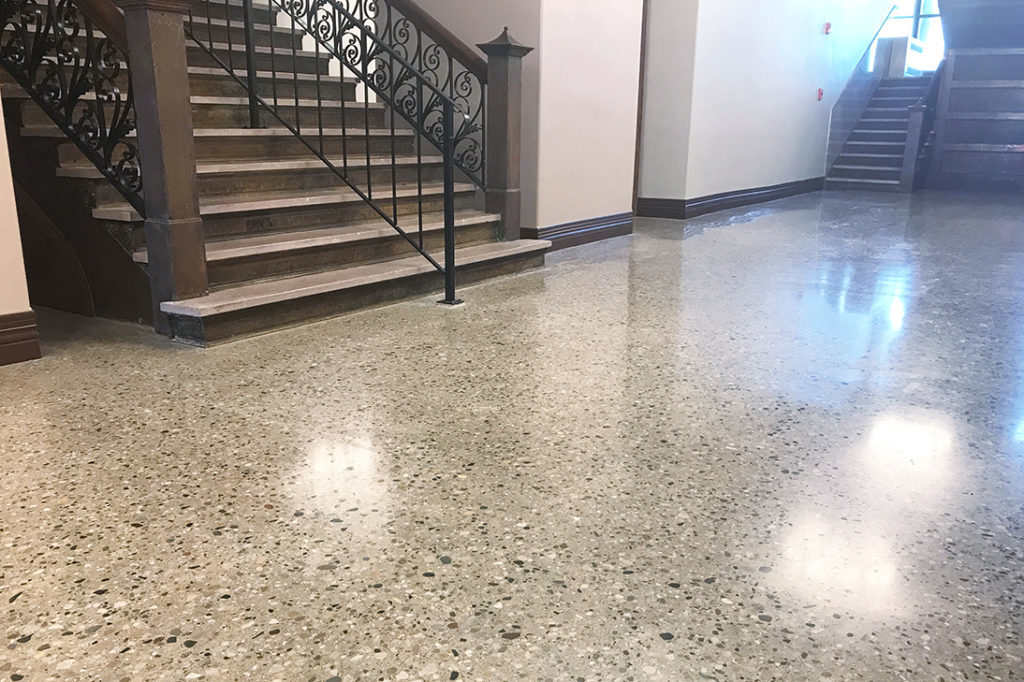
(505, 46)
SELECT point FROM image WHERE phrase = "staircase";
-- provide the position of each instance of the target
(873, 156)
(287, 241)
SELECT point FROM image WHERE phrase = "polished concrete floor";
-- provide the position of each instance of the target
(781, 443)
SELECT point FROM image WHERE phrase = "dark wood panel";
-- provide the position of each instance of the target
(19, 338)
(982, 131)
(988, 163)
(986, 100)
(988, 67)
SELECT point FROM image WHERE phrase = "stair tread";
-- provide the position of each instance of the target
(871, 181)
(280, 290)
(887, 169)
(83, 170)
(219, 100)
(988, 84)
(51, 130)
(278, 199)
(278, 242)
(983, 147)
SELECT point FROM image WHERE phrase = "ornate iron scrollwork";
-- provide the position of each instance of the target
(81, 79)
(407, 69)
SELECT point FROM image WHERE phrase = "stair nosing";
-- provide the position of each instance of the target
(269, 292)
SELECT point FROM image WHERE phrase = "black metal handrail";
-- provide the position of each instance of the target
(74, 72)
(406, 93)
(929, 103)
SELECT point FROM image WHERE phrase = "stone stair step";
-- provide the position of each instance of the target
(246, 258)
(269, 304)
(214, 206)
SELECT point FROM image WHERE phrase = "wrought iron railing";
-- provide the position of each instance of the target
(414, 80)
(71, 58)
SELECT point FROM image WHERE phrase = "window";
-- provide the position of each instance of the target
(920, 20)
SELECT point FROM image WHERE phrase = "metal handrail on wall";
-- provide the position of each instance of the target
(420, 84)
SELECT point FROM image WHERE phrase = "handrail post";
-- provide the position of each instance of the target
(913, 148)
(448, 151)
(174, 229)
(505, 129)
(250, 62)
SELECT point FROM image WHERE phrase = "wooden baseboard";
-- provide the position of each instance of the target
(582, 231)
(691, 208)
(19, 338)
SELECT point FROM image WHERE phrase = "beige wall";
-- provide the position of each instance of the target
(13, 290)
(753, 116)
(671, 50)
(589, 82)
(579, 99)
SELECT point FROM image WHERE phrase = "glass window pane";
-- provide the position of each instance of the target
(930, 7)
(934, 42)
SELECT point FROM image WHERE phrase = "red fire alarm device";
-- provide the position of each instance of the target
(821, 94)
(828, 28)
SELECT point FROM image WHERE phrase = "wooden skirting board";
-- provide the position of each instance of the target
(19, 338)
(582, 231)
(691, 208)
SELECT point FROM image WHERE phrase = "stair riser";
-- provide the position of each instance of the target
(303, 217)
(891, 101)
(878, 136)
(867, 173)
(888, 126)
(282, 38)
(891, 114)
(237, 116)
(861, 160)
(312, 179)
(298, 262)
(865, 187)
(237, 148)
(284, 62)
(874, 148)
(203, 331)
(223, 85)
(218, 10)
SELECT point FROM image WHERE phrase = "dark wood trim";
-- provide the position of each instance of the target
(661, 208)
(109, 19)
(691, 208)
(582, 231)
(440, 34)
(19, 338)
(638, 152)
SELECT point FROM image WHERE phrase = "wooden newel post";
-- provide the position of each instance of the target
(174, 228)
(505, 129)
(913, 149)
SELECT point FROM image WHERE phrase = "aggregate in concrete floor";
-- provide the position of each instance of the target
(781, 443)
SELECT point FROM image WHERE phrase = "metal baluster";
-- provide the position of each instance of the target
(250, 62)
(319, 95)
(209, 26)
(419, 153)
(295, 79)
(449, 203)
(394, 158)
(273, 62)
(231, 47)
(341, 21)
(366, 108)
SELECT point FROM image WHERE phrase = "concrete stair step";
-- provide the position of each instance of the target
(871, 160)
(265, 305)
(247, 258)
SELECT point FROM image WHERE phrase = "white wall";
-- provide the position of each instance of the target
(579, 98)
(671, 50)
(589, 84)
(13, 290)
(754, 118)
